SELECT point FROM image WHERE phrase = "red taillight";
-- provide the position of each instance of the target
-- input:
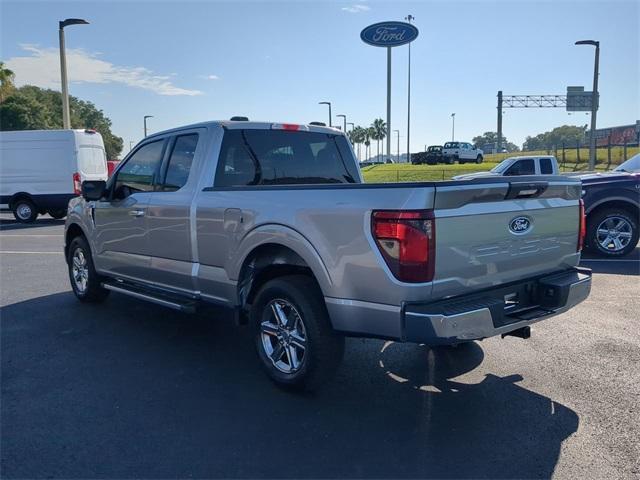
(582, 232)
(406, 240)
(77, 184)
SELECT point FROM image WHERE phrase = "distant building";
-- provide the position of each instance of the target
(629, 134)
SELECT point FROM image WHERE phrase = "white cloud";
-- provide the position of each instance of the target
(42, 68)
(210, 77)
(356, 8)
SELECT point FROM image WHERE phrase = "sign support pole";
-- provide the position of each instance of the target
(388, 102)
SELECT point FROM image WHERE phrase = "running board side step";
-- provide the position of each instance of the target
(186, 305)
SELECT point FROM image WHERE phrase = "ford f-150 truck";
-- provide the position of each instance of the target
(517, 166)
(275, 222)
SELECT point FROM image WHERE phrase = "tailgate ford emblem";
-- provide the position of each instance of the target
(520, 225)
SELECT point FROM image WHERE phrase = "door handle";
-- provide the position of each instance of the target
(136, 213)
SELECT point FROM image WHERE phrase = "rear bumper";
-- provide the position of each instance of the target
(471, 317)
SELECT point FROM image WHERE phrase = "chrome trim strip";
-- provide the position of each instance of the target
(142, 296)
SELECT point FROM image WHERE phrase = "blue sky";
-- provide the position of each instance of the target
(185, 62)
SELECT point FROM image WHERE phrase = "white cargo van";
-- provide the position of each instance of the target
(40, 170)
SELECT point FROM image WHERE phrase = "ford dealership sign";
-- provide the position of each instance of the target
(389, 34)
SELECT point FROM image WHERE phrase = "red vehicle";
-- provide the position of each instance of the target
(111, 166)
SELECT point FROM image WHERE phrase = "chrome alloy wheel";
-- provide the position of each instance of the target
(80, 270)
(283, 336)
(614, 234)
(24, 211)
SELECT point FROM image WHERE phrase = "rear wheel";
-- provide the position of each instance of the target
(57, 214)
(612, 232)
(85, 281)
(479, 159)
(24, 211)
(293, 336)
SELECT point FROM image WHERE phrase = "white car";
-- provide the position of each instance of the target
(631, 166)
(463, 152)
(41, 170)
(515, 166)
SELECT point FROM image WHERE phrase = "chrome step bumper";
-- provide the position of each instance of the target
(495, 312)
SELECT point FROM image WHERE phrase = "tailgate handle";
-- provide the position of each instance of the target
(526, 189)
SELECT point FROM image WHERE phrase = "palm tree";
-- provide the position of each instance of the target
(6, 81)
(379, 128)
(369, 135)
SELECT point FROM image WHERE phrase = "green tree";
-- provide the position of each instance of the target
(6, 82)
(491, 138)
(567, 134)
(378, 132)
(33, 108)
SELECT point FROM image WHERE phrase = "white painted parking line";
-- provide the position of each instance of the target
(29, 253)
(25, 235)
(611, 261)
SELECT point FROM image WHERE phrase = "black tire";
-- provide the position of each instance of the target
(616, 216)
(57, 214)
(479, 159)
(24, 210)
(93, 292)
(324, 348)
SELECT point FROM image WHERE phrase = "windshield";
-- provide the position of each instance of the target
(502, 166)
(632, 165)
(452, 145)
(434, 149)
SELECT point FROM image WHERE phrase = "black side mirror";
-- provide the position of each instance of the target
(93, 189)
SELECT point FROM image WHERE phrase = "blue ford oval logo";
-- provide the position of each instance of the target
(389, 34)
(520, 225)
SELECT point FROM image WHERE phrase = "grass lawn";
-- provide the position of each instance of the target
(404, 172)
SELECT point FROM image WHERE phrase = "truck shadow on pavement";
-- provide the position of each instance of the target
(129, 389)
(7, 224)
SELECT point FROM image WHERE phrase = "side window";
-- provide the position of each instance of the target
(545, 166)
(180, 162)
(522, 167)
(236, 166)
(140, 172)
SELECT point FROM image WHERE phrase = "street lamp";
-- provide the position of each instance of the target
(352, 125)
(145, 123)
(594, 102)
(398, 142)
(344, 121)
(453, 127)
(408, 18)
(66, 116)
(327, 103)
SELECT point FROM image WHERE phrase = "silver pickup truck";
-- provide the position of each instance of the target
(275, 222)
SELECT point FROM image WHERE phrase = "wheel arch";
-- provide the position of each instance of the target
(271, 251)
(73, 230)
(611, 203)
(22, 196)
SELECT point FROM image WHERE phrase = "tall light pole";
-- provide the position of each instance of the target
(408, 18)
(344, 121)
(66, 115)
(398, 142)
(327, 103)
(145, 123)
(594, 102)
(453, 127)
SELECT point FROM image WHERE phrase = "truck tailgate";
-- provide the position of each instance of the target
(491, 233)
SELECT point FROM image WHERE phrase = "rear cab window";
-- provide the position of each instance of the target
(278, 157)
(546, 167)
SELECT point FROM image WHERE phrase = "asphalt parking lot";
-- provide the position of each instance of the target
(129, 389)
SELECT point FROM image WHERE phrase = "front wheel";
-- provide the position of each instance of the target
(479, 159)
(612, 233)
(25, 211)
(85, 281)
(293, 336)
